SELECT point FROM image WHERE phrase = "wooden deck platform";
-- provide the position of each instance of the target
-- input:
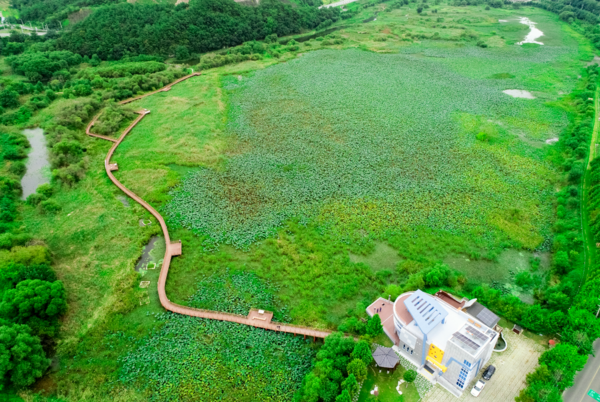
(175, 248)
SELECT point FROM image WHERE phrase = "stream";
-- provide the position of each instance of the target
(533, 34)
(38, 165)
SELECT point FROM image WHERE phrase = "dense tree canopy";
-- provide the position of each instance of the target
(329, 378)
(11, 275)
(36, 303)
(123, 29)
(22, 358)
(41, 66)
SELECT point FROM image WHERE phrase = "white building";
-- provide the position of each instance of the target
(449, 340)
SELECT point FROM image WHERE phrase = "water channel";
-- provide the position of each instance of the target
(38, 165)
(533, 34)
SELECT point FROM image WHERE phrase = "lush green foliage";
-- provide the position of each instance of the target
(36, 303)
(15, 273)
(114, 31)
(112, 118)
(374, 326)
(42, 66)
(123, 70)
(362, 351)
(330, 375)
(22, 359)
(237, 292)
(118, 89)
(217, 361)
(13, 149)
(578, 327)
(557, 369)
(324, 166)
(410, 376)
(588, 11)
(52, 11)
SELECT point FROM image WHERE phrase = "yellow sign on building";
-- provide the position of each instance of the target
(436, 353)
(435, 363)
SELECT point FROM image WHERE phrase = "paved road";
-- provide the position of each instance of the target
(588, 378)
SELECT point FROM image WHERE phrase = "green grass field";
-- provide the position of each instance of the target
(326, 175)
(386, 382)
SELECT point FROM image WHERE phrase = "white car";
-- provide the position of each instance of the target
(478, 388)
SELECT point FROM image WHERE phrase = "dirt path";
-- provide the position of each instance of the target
(255, 318)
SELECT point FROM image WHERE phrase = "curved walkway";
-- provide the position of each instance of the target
(255, 318)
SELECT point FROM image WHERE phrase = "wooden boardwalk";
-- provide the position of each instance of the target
(255, 318)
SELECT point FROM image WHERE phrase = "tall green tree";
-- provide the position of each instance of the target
(344, 397)
(362, 351)
(350, 384)
(36, 303)
(337, 348)
(22, 359)
(374, 326)
(358, 369)
(564, 362)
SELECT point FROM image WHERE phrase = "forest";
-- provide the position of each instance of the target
(126, 29)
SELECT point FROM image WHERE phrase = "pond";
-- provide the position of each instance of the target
(38, 165)
(519, 93)
(152, 255)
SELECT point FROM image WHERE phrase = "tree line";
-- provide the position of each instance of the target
(124, 29)
(31, 298)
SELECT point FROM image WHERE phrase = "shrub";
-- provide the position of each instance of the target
(46, 190)
(76, 113)
(9, 98)
(49, 207)
(111, 119)
(524, 279)
(409, 376)
(34, 199)
(82, 90)
(17, 168)
(122, 70)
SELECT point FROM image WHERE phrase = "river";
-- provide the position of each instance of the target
(38, 171)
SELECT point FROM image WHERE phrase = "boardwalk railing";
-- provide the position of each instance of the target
(255, 318)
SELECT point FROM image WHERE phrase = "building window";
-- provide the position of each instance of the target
(462, 378)
(411, 352)
(467, 364)
(404, 347)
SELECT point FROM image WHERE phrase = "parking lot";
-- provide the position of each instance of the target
(512, 365)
